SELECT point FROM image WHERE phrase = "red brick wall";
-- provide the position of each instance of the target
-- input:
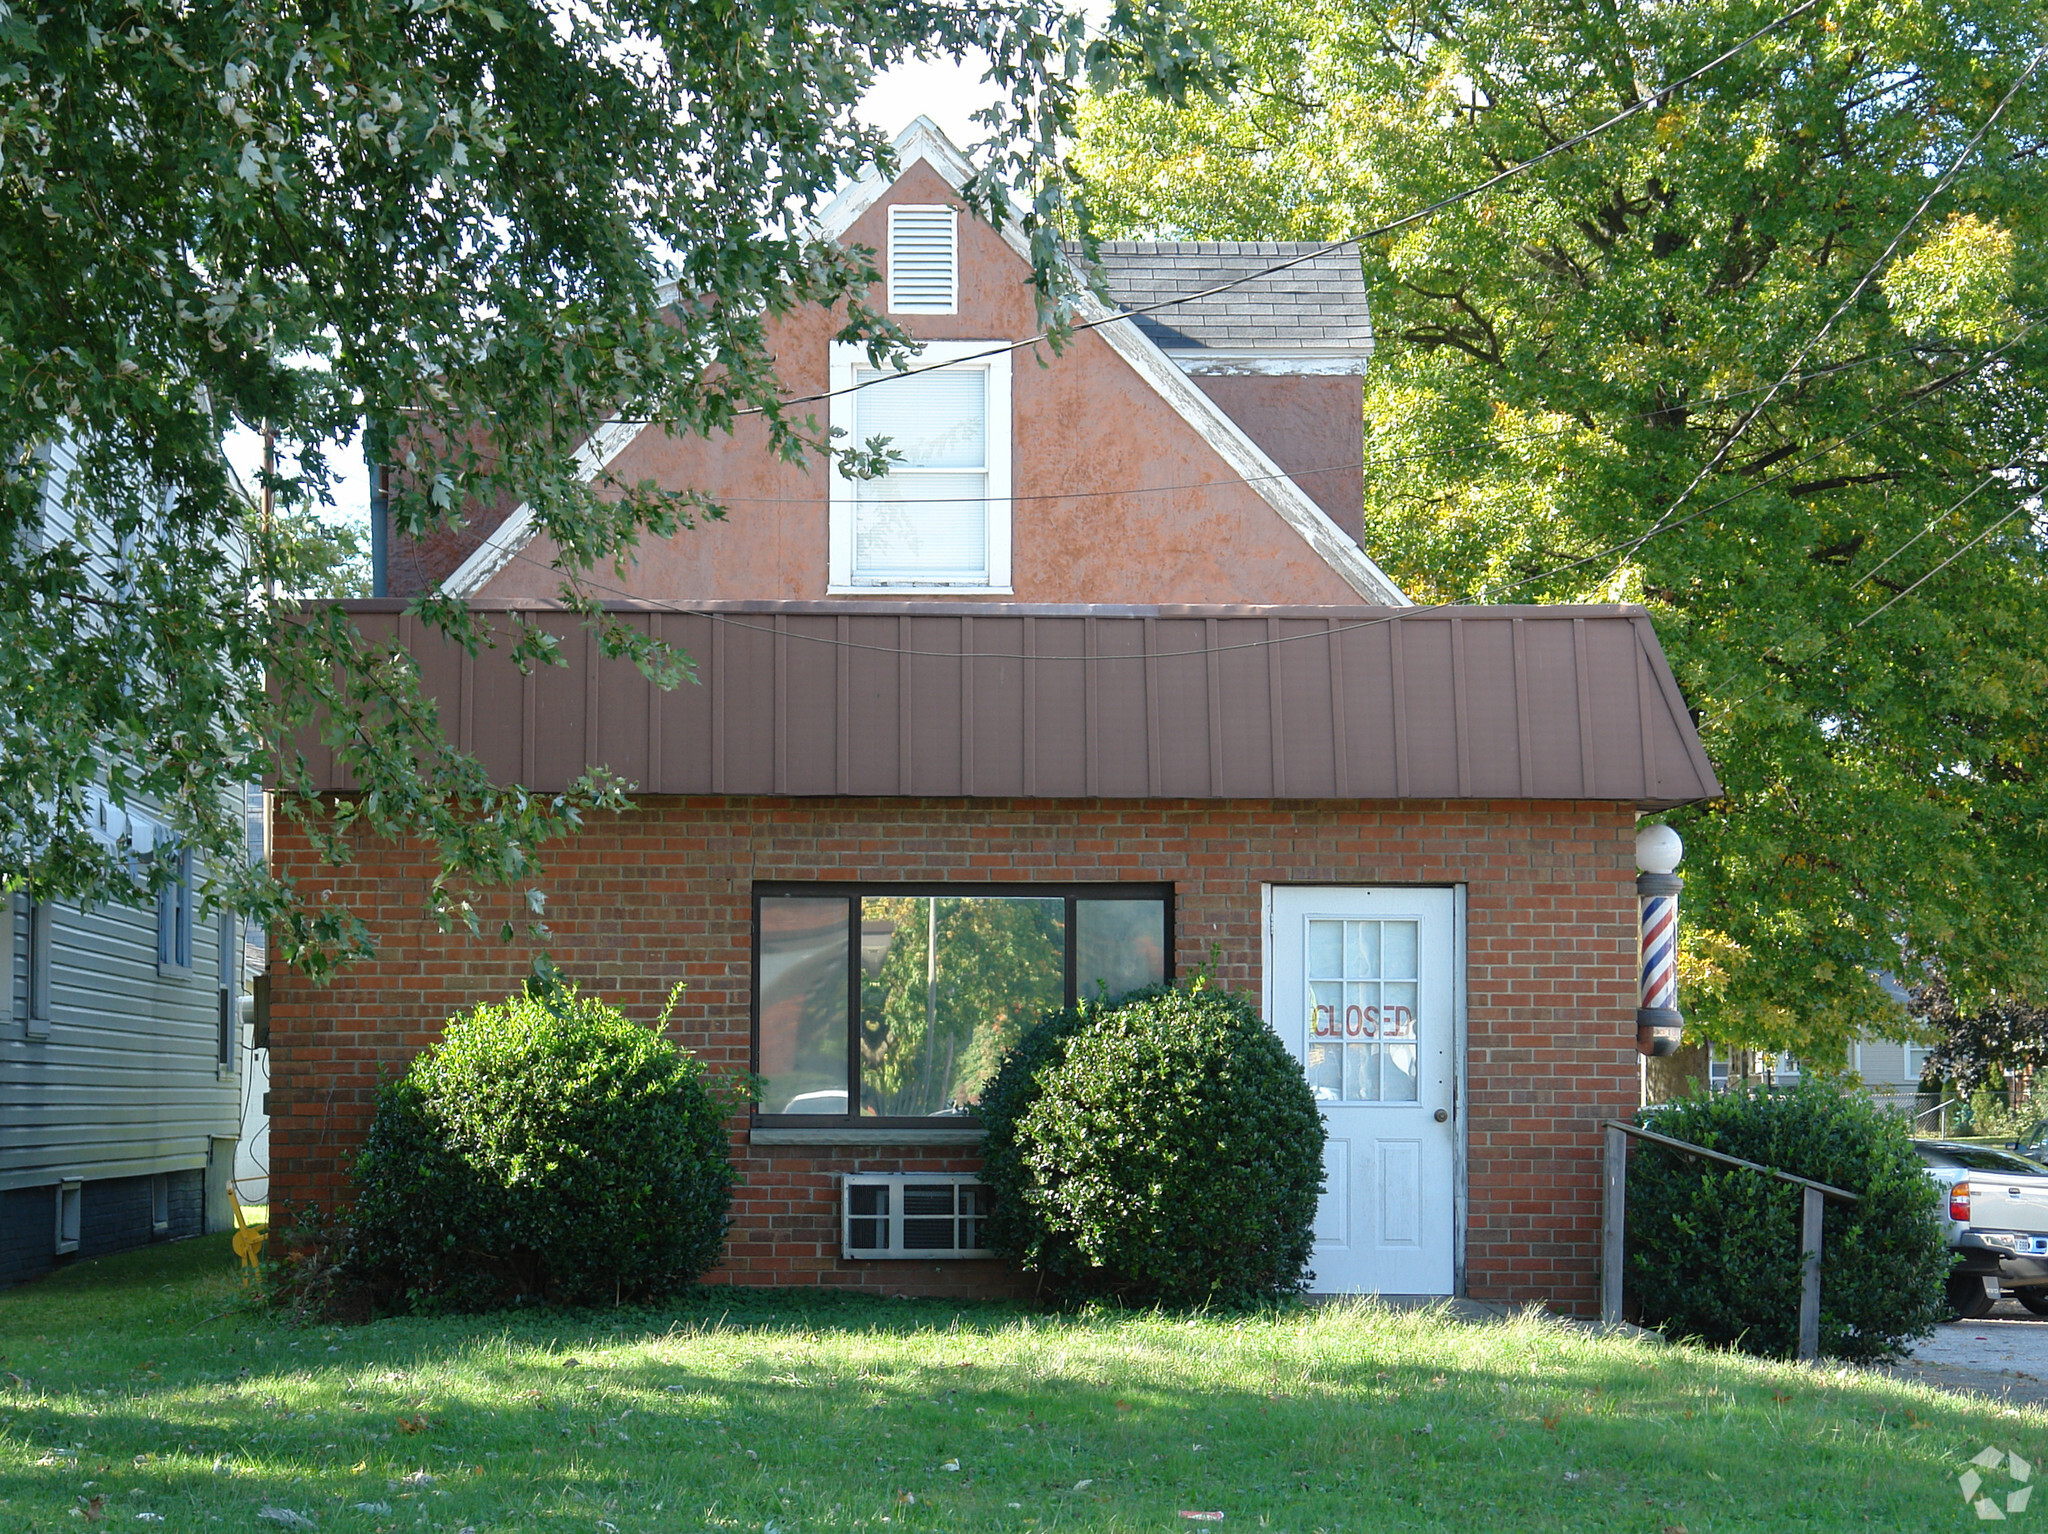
(641, 900)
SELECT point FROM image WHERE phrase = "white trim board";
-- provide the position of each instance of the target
(922, 140)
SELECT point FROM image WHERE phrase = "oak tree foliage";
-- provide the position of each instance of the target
(1560, 358)
(482, 227)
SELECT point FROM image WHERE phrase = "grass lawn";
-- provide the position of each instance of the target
(139, 1392)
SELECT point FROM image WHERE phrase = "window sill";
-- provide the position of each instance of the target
(963, 1135)
(225, 1072)
(920, 591)
(36, 1028)
(173, 971)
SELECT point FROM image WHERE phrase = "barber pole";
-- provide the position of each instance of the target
(1658, 1023)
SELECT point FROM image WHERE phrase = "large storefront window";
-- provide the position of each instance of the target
(884, 1003)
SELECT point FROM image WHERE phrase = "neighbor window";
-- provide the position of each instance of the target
(897, 1003)
(70, 1215)
(939, 518)
(41, 957)
(174, 913)
(229, 987)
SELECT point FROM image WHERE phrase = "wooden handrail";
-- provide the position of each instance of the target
(1826, 1190)
(1614, 1222)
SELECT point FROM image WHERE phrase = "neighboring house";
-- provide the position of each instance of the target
(1097, 690)
(119, 1054)
(1887, 1069)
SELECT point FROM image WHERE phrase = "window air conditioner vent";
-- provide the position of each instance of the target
(924, 260)
(912, 1216)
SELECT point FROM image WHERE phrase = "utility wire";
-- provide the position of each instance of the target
(1380, 461)
(1636, 109)
(1863, 580)
(1855, 293)
(1959, 553)
(1832, 445)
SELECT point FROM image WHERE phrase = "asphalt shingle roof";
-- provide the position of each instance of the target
(1317, 306)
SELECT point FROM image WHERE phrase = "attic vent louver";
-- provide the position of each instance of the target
(924, 260)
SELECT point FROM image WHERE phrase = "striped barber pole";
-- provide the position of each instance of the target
(1660, 951)
(1658, 1023)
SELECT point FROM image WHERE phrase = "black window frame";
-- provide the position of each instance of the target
(853, 891)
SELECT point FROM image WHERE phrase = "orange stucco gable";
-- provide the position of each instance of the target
(1119, 497)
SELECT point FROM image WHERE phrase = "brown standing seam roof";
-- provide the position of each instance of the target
(1005, 701)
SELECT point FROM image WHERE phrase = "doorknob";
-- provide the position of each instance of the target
(1442, 1114)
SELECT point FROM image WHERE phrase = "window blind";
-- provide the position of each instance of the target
(927, 518)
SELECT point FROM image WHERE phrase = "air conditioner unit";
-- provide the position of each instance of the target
(907, 1215)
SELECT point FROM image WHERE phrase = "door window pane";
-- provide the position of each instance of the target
(1399, 938)
(1363, 1000)
(948, 983)
(1397, 1082)
(803, 1005)
(1119, 946)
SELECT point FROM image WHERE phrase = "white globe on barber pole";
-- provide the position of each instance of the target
(1975, 1479)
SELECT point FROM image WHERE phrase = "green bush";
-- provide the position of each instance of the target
(547, 1148)
(1713, 1251)
(1160, 1149)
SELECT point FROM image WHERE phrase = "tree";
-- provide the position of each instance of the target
(1573, 399)
(2004, 1039)
(480, 226)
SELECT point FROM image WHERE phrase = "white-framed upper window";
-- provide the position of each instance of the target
(939, 520)
(924, 259)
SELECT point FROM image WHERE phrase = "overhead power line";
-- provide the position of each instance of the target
(1383, 460)
(1791, 467)
(1863, 282)
(1656, 98)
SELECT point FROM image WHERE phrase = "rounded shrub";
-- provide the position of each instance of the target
(1713, 1251)
(546, 1149)
(1162, 1149)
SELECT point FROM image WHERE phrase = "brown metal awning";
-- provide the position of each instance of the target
(1008, 701)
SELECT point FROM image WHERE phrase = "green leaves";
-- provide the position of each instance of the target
(1714, 1251)
(483, 231)
(1562, 356)
(1162, 1149)
(547, 1147)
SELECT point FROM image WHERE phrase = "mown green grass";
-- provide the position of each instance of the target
(140, 1392)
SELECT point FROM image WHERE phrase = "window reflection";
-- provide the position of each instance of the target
(1120, 945)
(953, 984)
(803, 1006)
(940, 987)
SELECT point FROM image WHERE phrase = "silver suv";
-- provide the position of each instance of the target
(1997, 1219)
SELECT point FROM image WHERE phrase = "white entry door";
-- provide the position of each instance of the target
(1361, 984)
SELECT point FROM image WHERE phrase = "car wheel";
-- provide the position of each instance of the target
(1968, 1298)
(2034, 1297)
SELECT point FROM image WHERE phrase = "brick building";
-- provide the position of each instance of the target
(1095, 693)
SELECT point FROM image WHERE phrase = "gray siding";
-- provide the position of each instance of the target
(127, 1081)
